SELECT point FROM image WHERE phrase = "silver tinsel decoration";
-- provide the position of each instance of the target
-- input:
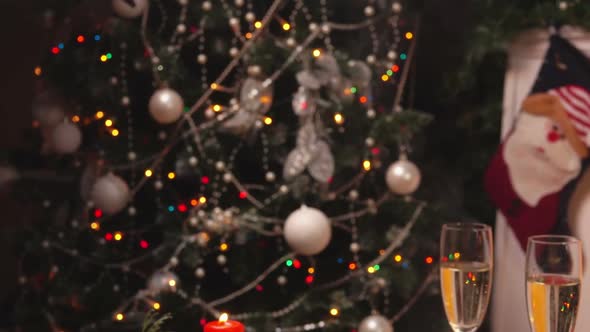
(255, 101)
(311, 153)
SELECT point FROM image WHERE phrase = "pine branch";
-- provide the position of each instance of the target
(154, 322)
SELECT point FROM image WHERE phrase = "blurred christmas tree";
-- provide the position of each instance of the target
(236, 156)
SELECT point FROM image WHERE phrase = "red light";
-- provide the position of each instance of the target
(97, 213)
(352, 266)
(429, 260)
(363, 99)
(80, 39)
(309, 279)
(55, 50)
(108, 236)
(182, 207)
(205, 180)
(395, 68)
(375, 151)
(444, 259)
(243, 194)
(259, 288)
(297, 264)
(194, 202)
(203, 321)
(144, 244)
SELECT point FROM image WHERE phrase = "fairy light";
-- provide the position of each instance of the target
(194, 202)
(384, 78)
(119, 317)
(363, 99)
(203, 200)
(258, 24)
(311, 270)
(457, 255)
(352, 266)
(118, 236)
(289, 263)
(395, 68)
(80, 39)
(286, 26)
(148, 172)
(216, 108)
(99, 115)
(367, 165)
(267, 120)
(108, 122)
(429, 260)
(115, 132)
(398, 258)
(248, 35)
(37, 71)
(103, 58)
(214, 86)
(339, 118)
(95, 226)
(409, 35)
(75, 119)
(55, 50)
(156, 306)
(371, 269)
(172, 283)
(223, 247)
(316, 53)
(171, 175)
(334, 312)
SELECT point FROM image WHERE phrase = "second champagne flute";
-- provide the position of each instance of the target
(466, 268)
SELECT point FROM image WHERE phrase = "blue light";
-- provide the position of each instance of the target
(171, 208)
(340, 260)
(403, 56)
(97, 37)
(405, 265)
(60, 46)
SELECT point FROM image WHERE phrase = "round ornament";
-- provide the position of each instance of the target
(308, 231)
(49, 115)
(166, 106)
(162, 281)
(110, 194)
(403, 177)
(66, 138)
(375, 323)
(129, 8)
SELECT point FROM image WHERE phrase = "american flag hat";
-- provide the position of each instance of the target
(576, 101)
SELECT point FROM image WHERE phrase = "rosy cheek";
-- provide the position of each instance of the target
(540, 150)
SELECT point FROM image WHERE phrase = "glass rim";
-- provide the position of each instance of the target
(464, 226)
(553, 239)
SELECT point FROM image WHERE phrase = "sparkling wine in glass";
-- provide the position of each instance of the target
(553, 275)
(466, 268)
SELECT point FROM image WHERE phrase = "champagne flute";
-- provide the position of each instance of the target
(553, 276)
(466, 267)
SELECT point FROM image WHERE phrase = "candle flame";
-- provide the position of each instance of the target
(223, 318)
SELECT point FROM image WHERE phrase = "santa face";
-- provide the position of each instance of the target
(540, 160)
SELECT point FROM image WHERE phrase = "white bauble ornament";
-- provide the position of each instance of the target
(66, 138)
(166, 106)
(129, 8)
(49, 115)
(110, 194)
(308, 231)
(403, 177)
(375, 323)
(162, 281)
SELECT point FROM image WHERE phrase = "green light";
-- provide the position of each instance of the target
(403, 56)
(289, 262)
(109, 56)
(353, 89)
(451, 257)
(377, 267)
(186, 108)
(390, 72)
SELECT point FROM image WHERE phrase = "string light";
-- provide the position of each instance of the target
(352, 266)
(316, 53)
(258, 24)
(171, 175)
(194, 202)
(216, 108)
(80, 39)
(172, 283)
(95, 226)
(289, 263)
(98, 213)
(202, 200)
(182, 208)
(144, 244)
(108, 122)
(267, 120)
(37, 71)
(214, 86)
(119, 317)
(309, 279)
(118, 236)
(409, 35)
(156, 306)
(429, 260)
(384, 78)
(243, 195)
(99, 115)
(55, 50)
(286, 26)
(311, 270)
(398, 258)
(75, 119)
(223, 247)
(338, 118)
(353, 89)
(115, 132)
(334, 312)
(363, 99)
(371, 269)
(367, 165)
(457, 255)
(103, 58)
(148, 172)
(248, 35)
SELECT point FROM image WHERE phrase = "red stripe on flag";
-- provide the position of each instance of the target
(581, 93)
(578, 103)
(573, 111)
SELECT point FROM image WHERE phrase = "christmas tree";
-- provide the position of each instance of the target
(248, 157)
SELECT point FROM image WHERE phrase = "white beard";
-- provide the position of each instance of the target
(536, 166)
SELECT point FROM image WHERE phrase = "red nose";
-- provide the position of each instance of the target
(553, 136)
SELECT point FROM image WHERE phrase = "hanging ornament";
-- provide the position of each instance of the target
(129, 8)
(255, 100)
(166, 106)
(303, 102)
(48, 115)
(403, 177)
(66, 138)
(308, 231)
(311, 153)
(375, 323)
(162, 282)
(110, 194)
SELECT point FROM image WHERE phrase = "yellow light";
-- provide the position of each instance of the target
(171, 175)
(214, 86)
(99, 114)
(248, 35)
(316, 53)
(457, 255)
(108, 122)
(103, 58)
(223, 247)
(156, 306)
(172, 283)
(75, 119)
(398, 258)
(216, 108)
(115, 132)
(258, 24)
(384, 78)
(409, 35)
(95, 226)
(265, 99)
(118, 236)
(311, 270)
(338, 118)
(38, 71)
(267, 120)
(223, 318)
(202, 200)
(286, 26)
(119, 317)
(367, 165)
(371, 269)
(148, 172)
(334, 312)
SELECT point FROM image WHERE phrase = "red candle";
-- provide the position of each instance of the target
(224, 325)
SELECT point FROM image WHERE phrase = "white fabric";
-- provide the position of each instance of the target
(508, 312)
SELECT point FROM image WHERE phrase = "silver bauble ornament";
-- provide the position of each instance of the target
(162, 281)
(308, 231)
(403, 177)
(303, 103)
(166, 106)
(110, 194)
(66, 138)
(375, 323)
(129, 8)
